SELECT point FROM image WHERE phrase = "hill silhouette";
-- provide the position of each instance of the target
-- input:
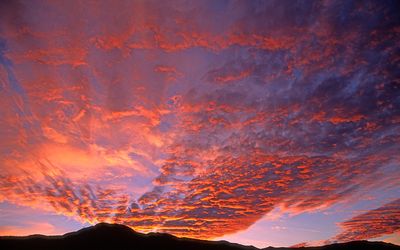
(115, 236)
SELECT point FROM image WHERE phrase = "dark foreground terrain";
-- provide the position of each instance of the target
(113, 236)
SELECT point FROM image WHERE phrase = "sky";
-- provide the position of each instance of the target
(258, 122)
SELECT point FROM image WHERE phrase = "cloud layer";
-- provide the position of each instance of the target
(164, 120)
(381, 221)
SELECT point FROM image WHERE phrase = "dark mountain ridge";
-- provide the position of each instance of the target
(115, 236)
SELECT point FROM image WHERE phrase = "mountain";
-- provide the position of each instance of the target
(114, 236)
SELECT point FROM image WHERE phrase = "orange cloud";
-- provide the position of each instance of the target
(27, 229)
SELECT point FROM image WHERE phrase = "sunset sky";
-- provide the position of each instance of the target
(257, 122)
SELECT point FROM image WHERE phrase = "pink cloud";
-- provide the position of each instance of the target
(384, 220)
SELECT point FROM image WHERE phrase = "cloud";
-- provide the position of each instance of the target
(384, 220)
(171, 73)
(28, 228)
(169, 121)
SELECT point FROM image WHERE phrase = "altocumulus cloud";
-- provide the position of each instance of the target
(197, 127)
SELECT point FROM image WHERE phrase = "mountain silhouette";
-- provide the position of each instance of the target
(115, 236)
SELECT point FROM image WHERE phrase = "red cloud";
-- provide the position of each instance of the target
(375, 223)
(142, 135)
